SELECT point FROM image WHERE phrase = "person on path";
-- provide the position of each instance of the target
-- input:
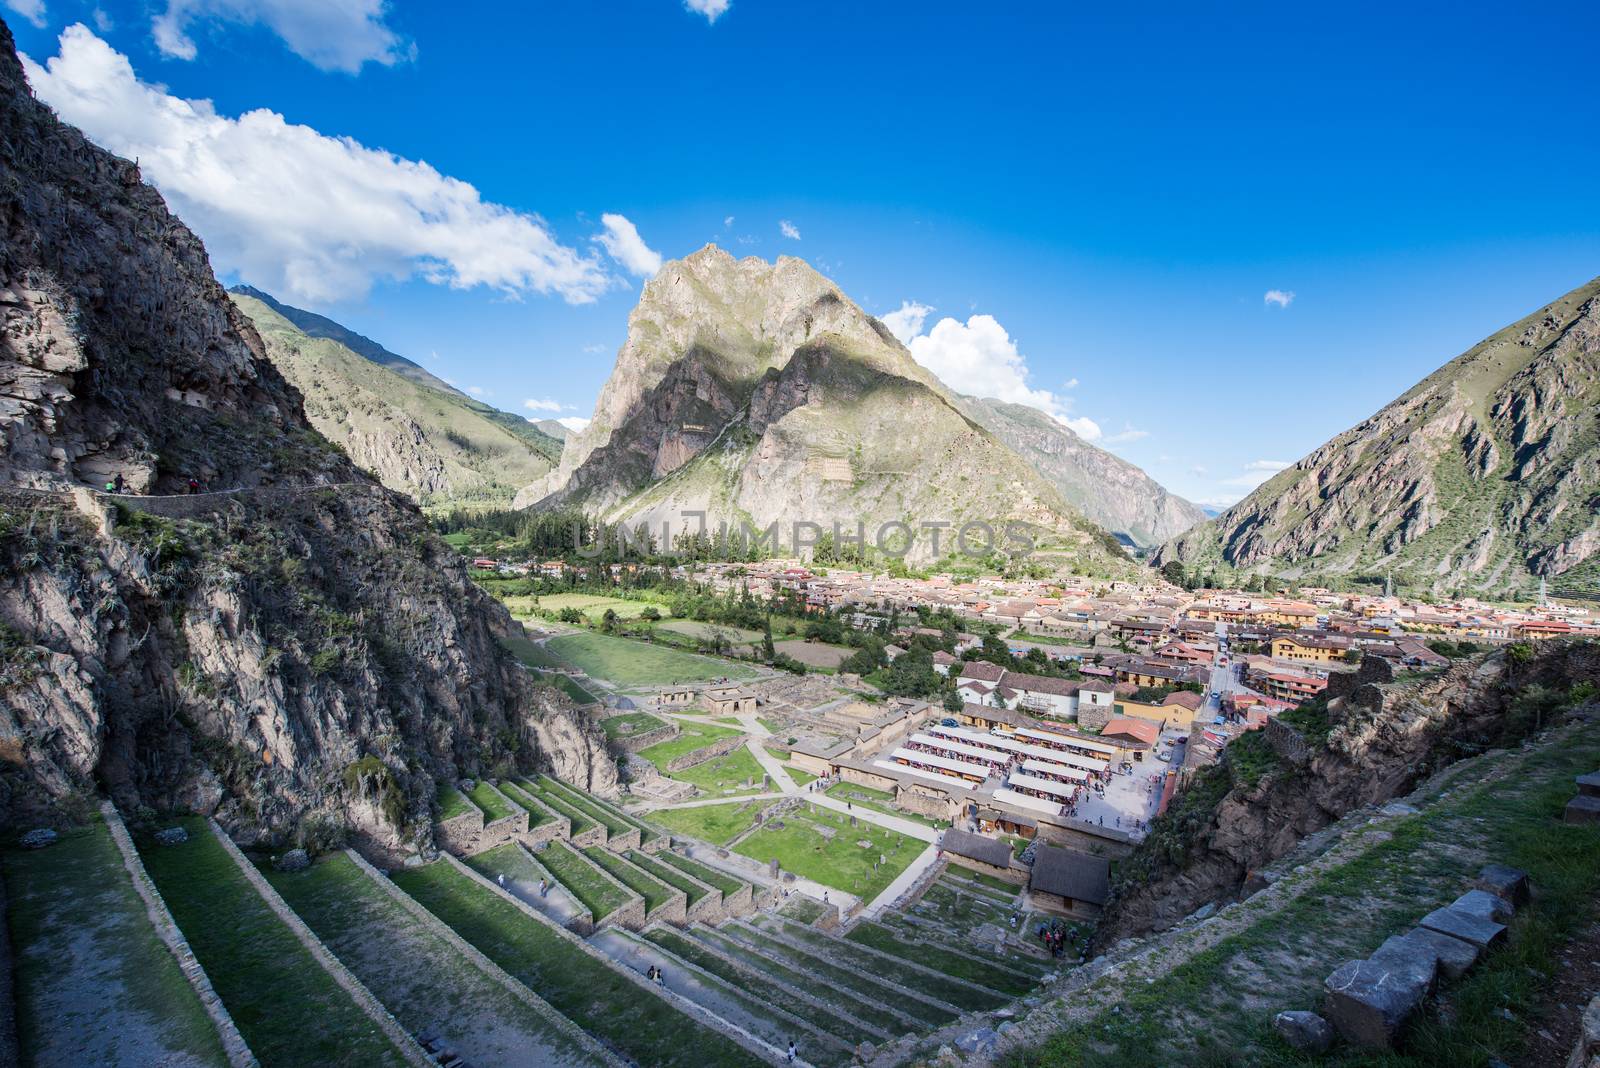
(120, 484)
(194, 485)
(501, 878)
(791, 1051)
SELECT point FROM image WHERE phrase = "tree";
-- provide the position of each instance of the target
(766, 639)
(1173, 572)
(953, 701)
(650, 614)
(608, 622)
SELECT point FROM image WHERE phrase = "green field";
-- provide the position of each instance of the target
(638, 664)
(531, 653)
(630, 724)
(594, 606)
(289, 1010)
(820, 844)
(580, 820)
(710, 876)
(452, 803)
(694, 736)
(595, 996)
(717, 824)
(93, 982)
(800, 777)
(653, 890)
(726, 775)
(494, 806)
(701, 631)
(669, 875)
(878, 801)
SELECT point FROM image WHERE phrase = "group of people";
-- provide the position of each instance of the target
(1055, 935)
(656, 975)
(119, 485)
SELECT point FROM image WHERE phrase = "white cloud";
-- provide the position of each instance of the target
(310, 217)
(574, 423)
(711, 9)
(1071, 383)
(1256, 472)
(623, 244)
(329, 34)
(594, 348)
(1125, 435)
(1221, 500)
(789, 229)
(727, 222)
(978, 357)
(1267, 465)
(477, 391)
(1281, 297)
(32, 10)
(905, 322)
(542, 405)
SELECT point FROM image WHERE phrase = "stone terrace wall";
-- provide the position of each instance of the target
(459, 834)
(583, 921)
(632, 743)
(357, 990)
(233, 1043)
(720, 747)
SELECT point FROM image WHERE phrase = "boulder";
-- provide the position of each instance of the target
(1305, 1031)
(1454, 955)
(38, 838)
(1582, 809)
(1502, 881)
(294, 860)
(170, 836)
(1465, 926)
(1483, 904)
(1368, 1000)
(981, 1040)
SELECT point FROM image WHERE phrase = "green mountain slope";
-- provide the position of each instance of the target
(1484, 477)
(430, 442)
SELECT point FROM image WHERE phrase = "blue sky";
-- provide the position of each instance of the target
(1112, 195)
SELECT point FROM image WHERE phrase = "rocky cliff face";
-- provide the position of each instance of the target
(758, 393)
(432, 444)
(1386, 736)
(294, 651)
(1483, 477)
(1107, 489)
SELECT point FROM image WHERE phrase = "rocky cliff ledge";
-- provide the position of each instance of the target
(293, 650)
(1374, 740)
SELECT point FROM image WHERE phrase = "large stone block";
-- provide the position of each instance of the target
(1583, 809)
(1486, 905)
(1305, 1031)
(1454, 955)
(1502, 881)
(1368, 1000)
(1465, 926)
(1589, 784)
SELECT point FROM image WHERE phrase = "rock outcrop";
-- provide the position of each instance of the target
(1383, 737)
(1483, 478)
(293, 650)
(756, 392)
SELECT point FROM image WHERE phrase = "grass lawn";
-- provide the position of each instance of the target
(725, 776)
(638, 664)
(581, 821)
(93, 982)
(452, 803)
(951, 962)
(417, 974)
(594, 606)
(701, 631)
(710, 876)
(569, 686)
(530, 653)
(818, 656)
(592, 994)
(717, 824)
(821, 845)
(629, 724)
(800, 777)
(286, 1006)
(593, 892)
(878, 801)
(694, 736)
(524, 801)
(494, 806)
(669, 875)
(614, 821)
(654, 891)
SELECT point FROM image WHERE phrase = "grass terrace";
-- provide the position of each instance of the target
(289, 1010)
(593, 892)
(487, 798)
(728, 884)
(726, 775)
(695, 736)
(717, 824)
(952, 962)
(530, 653)
(654, 891)
(523, 800)
(635, 664)
(630, 724)
(581, 821)
(820, 844)
(613, 820)
(589, 992)
(93, 983)
(418, 975)
(666, 873)
(452, 803)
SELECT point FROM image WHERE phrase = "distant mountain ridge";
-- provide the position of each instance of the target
(1484, 477)
(1109, 490)
(757, 392)
(429, 441)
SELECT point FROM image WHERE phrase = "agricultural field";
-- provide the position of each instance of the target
(717, 824)
(817, 655)
(632, 664)
(820, 844)
(593, 606)
(701, 631)
(630, 724)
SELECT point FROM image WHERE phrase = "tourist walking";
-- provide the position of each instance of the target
(791, 1051)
